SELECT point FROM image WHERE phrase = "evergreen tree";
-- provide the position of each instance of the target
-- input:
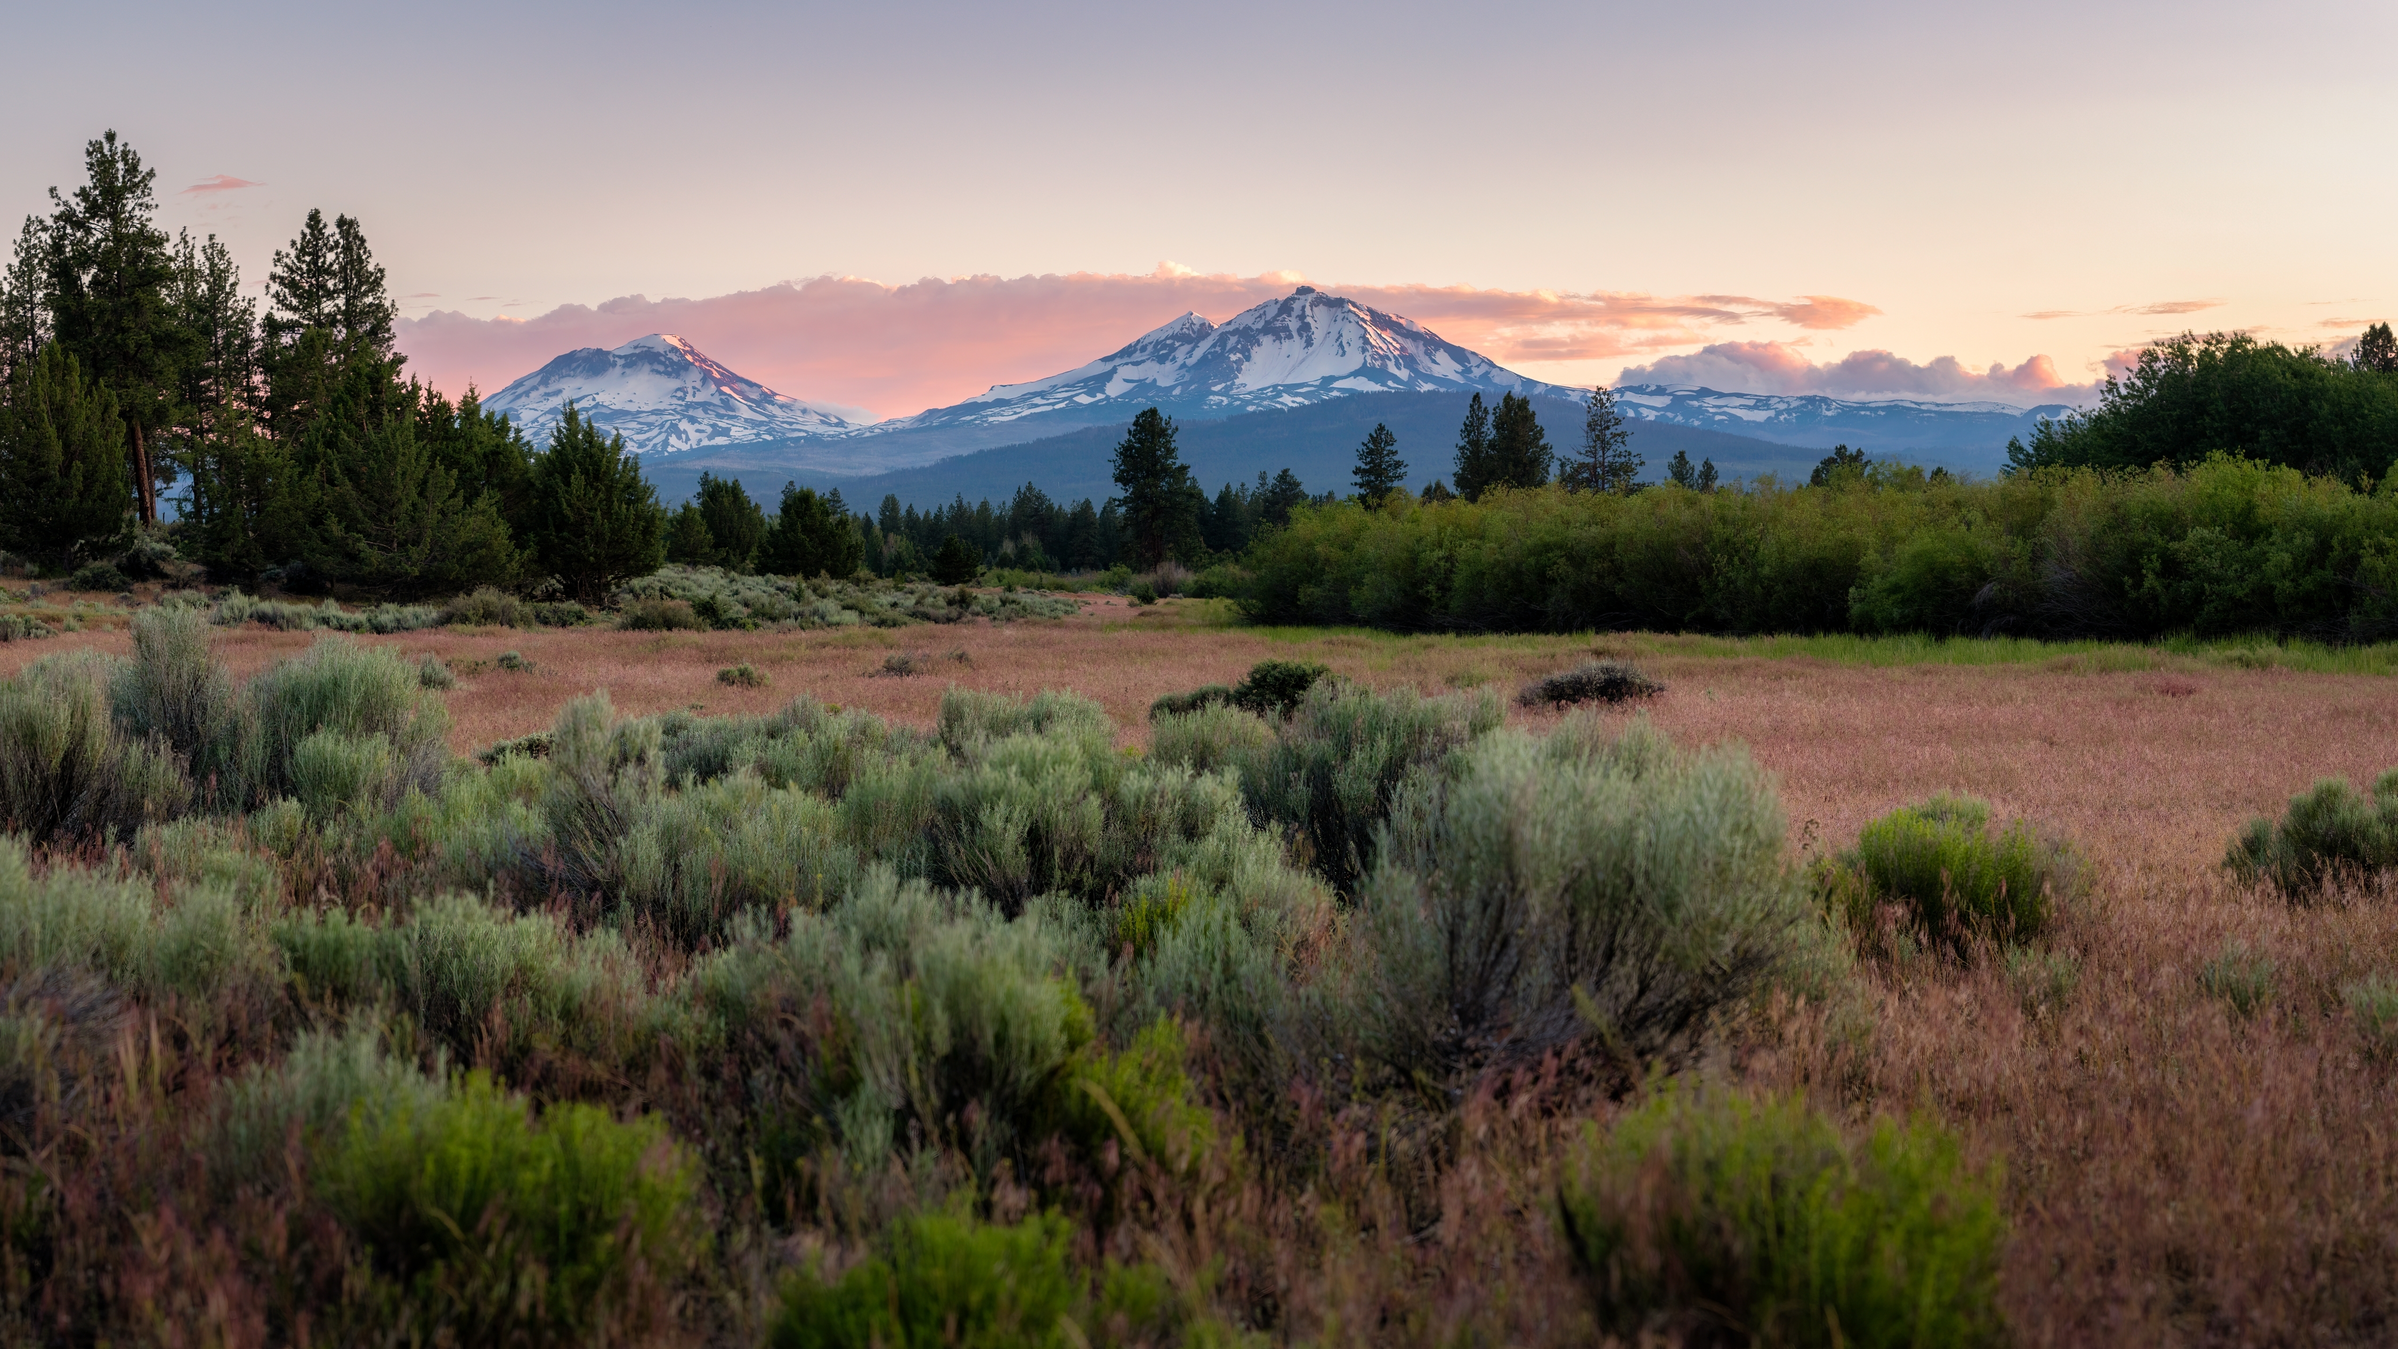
(63, 496)
(810, 538)
(220, 379)
(1380, 471)
(1161, 502)
(1275, 499)
(1680, 471)
(1474, 469)
(2376, 350)
(238, 518)
(395, 523)
(1841, 465)
(1606, 463)
(329, 325)
(110, 279)
(1436, 492)
(25, 300)
(1083, 550)
(483, 451)
(1225, 523)
(596, 521)
(957, 562)
(736, 524)
(1706, 475)
(1519, 450)
(688, 542)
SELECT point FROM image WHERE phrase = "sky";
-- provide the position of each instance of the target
(890, 207)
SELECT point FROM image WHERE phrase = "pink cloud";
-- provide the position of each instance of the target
(223, 182)
(897, 349)
(1777, 367)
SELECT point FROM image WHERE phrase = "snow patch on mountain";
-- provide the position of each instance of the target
(663, 395)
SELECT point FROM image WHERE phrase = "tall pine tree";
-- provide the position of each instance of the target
(595, 521)
(1380, 471)
(1160, 501)
(63, 496)
(111, 274)
(1475, 470)
(1519, 450)
(1606, 463)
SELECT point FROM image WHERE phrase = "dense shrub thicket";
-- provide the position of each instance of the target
(2225, 546)
(807, 1026)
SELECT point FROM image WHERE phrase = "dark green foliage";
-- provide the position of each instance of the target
(2230, 546)
(656, 615)
(1842, 466)
(1161, 503)
(1473, 469)
(1679, 472)
(743, 676)
(62, 463)
(1953, 879)
(2376, 350)
(1598, 681)
(98, 576)
(1606, 462)
(1519, 450)
(396, 523)
(956, 563)
(1706, 1218)
(1380, 471)
(2331, 835)
(595, 521)
(811, 536)
(736, 526)
(688, 542)
(942, 1280)
(500, 1227)
(1175, 704)
(1274, 687)
(2227, 393)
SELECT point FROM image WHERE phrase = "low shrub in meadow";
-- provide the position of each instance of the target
(941, 1279)
(1951, 878)
(2331, 835)
(1598, 681)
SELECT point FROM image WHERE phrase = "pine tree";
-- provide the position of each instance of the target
(1841, 465)
(25, 300)
(957, 562)
(595, 520)
(1680, 472)
(810, 537)
(1275, 499)
(1606, 463)
(1436, 492)
(1380, 471)
(1519, 450)
(1474, 467)
(2377, 350)
(1161, 502)
(220, 378)
(63, 495)
(395, 523)
(688, 542)
(1706, 475)
(110, 276)
(736, 524)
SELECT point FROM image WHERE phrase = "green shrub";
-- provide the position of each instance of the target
(1142, 591)
(1706, 1218)
(21, 628)
(1953, 878)
(561, 614)
(940, 1279)
(357, 692)
(2044, 980)
(1210, 736)
(67, 772)
(656, 615)
(1340, 758)
(1140, 1097)
(99, 576)
(1177, 704)
(1571, 890)
(434, 673)
(500, 1227)
(2242, 978)
(198, 940)
(2330, 835)
(1598, 681)
(333, 774)
(173, 691)
(1274, 687)
(488, 606)
(742, 676)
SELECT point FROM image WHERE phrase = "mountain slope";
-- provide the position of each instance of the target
(1810, 419)
(662, 394)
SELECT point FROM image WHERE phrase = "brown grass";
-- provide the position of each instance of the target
(2176, 1175)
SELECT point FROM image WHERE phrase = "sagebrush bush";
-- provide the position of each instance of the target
(488, 606)
(943, 1279)
(358, 693)
(1208, 736)
(658, 615)
(1598, 681)
(1706, 1218)
(1579, 889)
(2240, 977)
(1954, 879)
(499, 1226)
(435, 673)
(68, 771)
(174, 692)
(742, 676)
(2373, 1006)
(2331, 835)
(99, 576)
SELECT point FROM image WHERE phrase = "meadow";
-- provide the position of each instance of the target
(848, 985)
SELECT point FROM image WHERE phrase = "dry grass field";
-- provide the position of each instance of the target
(2177, 1172)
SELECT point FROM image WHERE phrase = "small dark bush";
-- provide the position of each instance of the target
(2330, 835)
(957, 562)
(434, 673)
(653, 615)
(1274, 687)
(1598, 681)
(512, 661)
(1142, 592)
(561, 614)
(98, 576)
(743, 676)
(1708, 1219)
(1176, 704)
(533, 746)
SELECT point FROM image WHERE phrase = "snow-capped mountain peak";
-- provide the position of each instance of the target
(662, 394)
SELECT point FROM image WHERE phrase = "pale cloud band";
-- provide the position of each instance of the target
(861, 344)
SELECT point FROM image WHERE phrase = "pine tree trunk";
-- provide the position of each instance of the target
(144, 488)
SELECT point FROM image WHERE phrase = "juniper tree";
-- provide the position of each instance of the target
(1380, 471)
